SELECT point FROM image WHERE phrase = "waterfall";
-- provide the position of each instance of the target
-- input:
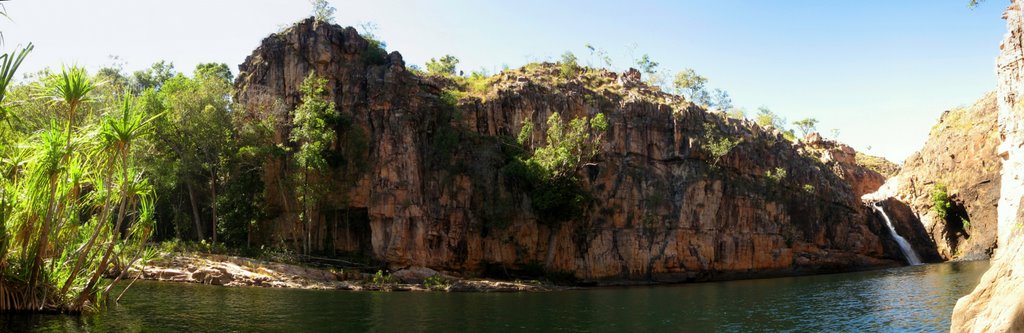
(908, 251)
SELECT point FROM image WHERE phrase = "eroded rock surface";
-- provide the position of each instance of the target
(960, 155)
(996, 304)
(433, 193)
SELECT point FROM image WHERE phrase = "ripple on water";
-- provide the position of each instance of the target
(905, 299)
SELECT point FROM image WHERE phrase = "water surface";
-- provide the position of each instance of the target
(906, 299)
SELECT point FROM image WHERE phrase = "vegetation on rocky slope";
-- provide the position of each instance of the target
(356, 160)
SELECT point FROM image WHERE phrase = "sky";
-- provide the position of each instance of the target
(881, 72)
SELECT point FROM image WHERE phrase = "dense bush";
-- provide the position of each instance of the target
(716, 144)
(549, 176)
(940, 200)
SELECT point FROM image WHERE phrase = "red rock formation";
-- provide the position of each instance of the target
(434, 194)
(960, 154)
(995, 305)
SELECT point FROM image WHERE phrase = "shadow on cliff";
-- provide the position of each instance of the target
(909, 227)
(956, 230)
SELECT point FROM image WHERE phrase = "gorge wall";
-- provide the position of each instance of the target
(959, 155)
(995, 305)
(424, 182)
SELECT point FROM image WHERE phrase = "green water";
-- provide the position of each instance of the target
(910, 299)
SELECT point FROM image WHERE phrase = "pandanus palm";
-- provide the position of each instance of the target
(72, 88)
(9, 63)
(114, 139)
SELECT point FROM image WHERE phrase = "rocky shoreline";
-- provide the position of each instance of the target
(231, 271)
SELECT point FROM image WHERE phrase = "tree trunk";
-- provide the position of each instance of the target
(195, 211)
(213, 203)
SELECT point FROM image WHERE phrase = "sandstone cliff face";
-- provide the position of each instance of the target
(845, 162)
(433, 193)
(995, 305)
(960, 154)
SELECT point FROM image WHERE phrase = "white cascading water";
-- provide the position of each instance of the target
(908, 251)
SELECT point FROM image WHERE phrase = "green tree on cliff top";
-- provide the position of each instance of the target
(323, 11)
(443, 66)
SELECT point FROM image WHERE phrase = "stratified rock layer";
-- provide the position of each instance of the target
(996, 304)
(433, 193)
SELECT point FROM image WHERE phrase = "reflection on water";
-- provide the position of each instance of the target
(918, 298)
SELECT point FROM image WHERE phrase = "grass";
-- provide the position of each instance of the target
(877, 164)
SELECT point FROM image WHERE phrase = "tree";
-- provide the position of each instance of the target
(717, 144)
(647, 66)
(568, 67)
(806, 125)
(766, 118)
(154, 76)
(722, 100)
(214, 71)
(76, 205)
(194, 136)
(314, 136)
(549, 175)
(688, 83)
(323, 11)
(650, 69)
(443, 66)
(737, 113)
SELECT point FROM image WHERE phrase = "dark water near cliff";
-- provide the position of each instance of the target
(911, 299)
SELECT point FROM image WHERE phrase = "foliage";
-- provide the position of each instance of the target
(721, 100)
(153, 77)
(806, 125)
(766, 118)
(808, 188)
(877, 164)
(650, 69)
(9, 63)
(688, 83)
(376, 49)
(775, 176)
(192, 141)
(443, 66)
(716, 144)
(314, 135)
(214, 71)
(647, 66)
(737, 113)
(382, 278)
(569, 148)
(323, 11)
(445, 137)
(436, 282)
(940, 200)
(74, 204)
(568, 68)
(549, 175)
(478, 82)
(241, 204)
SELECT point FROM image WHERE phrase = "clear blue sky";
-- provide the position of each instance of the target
(880, 71)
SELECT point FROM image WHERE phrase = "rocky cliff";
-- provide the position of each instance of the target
(995, 305)
(433, 189)
(959, 156)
